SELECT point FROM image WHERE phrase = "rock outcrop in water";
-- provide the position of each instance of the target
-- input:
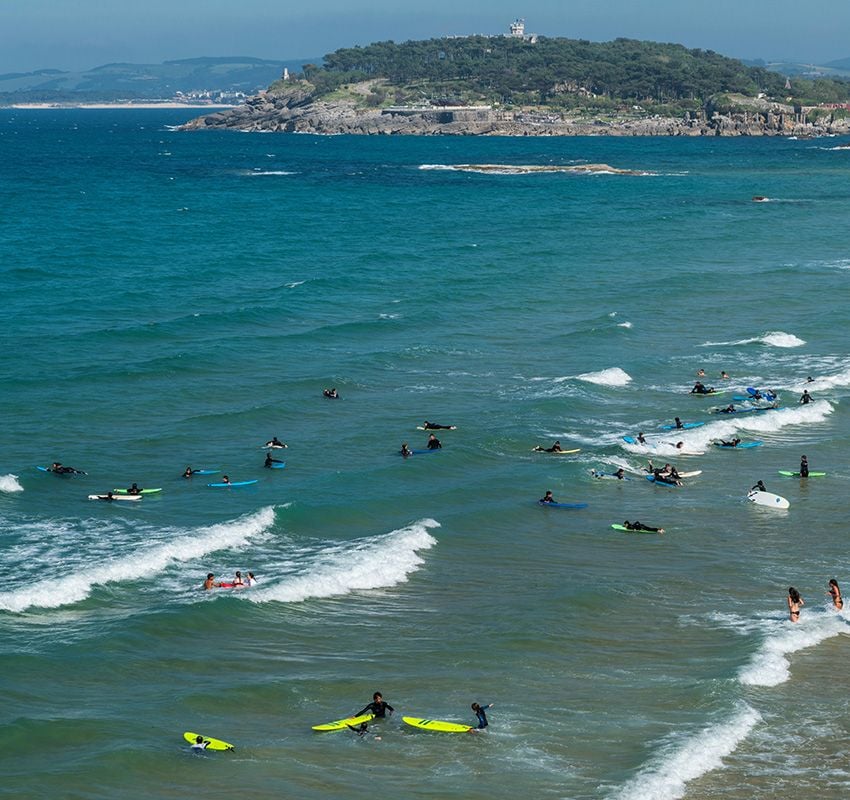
(296, 110)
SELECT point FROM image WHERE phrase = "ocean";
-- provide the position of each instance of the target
(175, 299)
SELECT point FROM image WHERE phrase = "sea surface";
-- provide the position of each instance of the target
(174, 299)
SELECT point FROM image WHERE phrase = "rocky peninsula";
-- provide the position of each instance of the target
(296, 109)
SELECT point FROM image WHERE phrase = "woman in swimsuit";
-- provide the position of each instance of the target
(835, 594)
(795, 603)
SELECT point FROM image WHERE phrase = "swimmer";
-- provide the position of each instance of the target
(835, 594)
(795, 603)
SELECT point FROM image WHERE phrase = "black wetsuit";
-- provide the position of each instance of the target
(482, 717)
(434, 444)
(432, 426)
(378, 708)
(804, 469)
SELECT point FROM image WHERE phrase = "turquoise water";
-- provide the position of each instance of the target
(175, 299)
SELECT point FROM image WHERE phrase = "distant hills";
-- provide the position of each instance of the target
(791, 69)
(202, 77)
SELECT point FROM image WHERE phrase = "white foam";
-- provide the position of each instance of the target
(826, 382)
(607, 377)
(270, 172)
(376, 562)
(667, 776)
(772, 338)
(9, 483)
(624, 324)
(770, 665)
(146, 561)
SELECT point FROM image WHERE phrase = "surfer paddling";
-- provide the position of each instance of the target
(433, 426)
(555, 448)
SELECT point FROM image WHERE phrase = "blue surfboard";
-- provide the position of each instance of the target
(561, 505)
(685, 426)
(651, 479)
(741, 446)
(232, 483)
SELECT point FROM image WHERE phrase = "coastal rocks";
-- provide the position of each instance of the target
(297, 111)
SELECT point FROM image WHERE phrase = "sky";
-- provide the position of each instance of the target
(81, 34)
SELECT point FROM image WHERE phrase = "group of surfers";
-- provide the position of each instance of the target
(433, 442)
(248, 581)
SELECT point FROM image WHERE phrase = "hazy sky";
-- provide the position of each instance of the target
(80, 34)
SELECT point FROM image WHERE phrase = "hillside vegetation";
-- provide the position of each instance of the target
(557, 73)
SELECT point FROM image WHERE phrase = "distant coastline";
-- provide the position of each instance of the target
(164, 104)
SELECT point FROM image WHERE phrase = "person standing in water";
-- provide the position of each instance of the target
(433, 443)
(482, 717)
(378, 707)
(806, 398)
(835, 594)
(804, 467)
(795, 603)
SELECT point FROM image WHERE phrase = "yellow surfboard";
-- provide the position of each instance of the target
(437, 725)
(212, 744)
(342, 724)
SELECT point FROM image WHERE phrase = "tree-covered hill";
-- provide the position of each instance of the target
(559, 72)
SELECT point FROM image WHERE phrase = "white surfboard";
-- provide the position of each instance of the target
(768, 499)
(115, 497)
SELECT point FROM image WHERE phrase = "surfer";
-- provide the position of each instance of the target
(724, 375)
(405, 450)
(700, 373)
(225, 479)
(482, 717)
(555, 448)
(57, 467)
(134, 489)
(433, 426)
(795, 603)
(730, 443)
(237, 580)
(199, 745)
(274, 442)
(269, 461)
(810, 379)
(210, 583)
(639, 526)
(188, 472)
(433, 443)
(641, 439)
(699, 388)
(620, 474)
(678, 422)
(805, 398)
(331, 394)
(759, 487)
(378, 707)
(804, 467)
(250, 580)
(547, 498)
(835, 594)
(730, 409)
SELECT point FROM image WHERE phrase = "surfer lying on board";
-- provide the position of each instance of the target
(555, 448)
(331, 394)
(666, 476)
(759, 487)
(57, 467)
(547, 498)
(639, 526)
(482, 717)
(730, 409)
(433, 426)
(274, 442)
(433, 443)
(378, 707)
(269, 461)
(731, 443)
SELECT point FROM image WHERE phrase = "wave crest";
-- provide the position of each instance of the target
(772, 338)
(54, 593)
(377, 562)
(607, 377)
(10, 483)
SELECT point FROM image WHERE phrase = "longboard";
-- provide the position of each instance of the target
(141, 491)
(342, 724)
(277, 465)
(788, 474)
(739, 446)
(686, 426)
(436, 725)
(630, 530)
(539, 449)
(74, 472)
(212, 744)
(767, 499)
(115, 497)
(449, 428)
(232, 483)
(607, 476)
(562, 505)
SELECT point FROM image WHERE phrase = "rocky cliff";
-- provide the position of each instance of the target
(297, 110)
